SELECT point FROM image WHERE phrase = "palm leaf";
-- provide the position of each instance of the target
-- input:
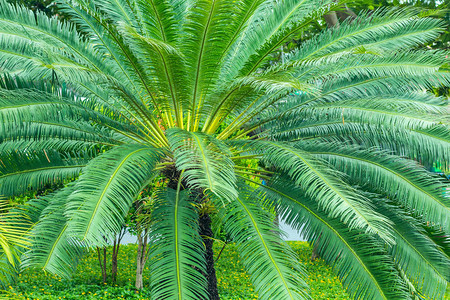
(13, 239)
(177, 253)
(384, 29)
(421, 259)
(273, 266)
(52, 249)
(319, 182)
(21, 172)
(360, 259)
(105, 190)
(399, 178)
(206, 162)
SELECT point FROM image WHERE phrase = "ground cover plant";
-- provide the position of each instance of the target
(336, 139)
(233, 282)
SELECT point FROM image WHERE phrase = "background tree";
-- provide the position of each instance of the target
(128, 90)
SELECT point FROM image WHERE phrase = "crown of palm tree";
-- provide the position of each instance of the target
(341, 129)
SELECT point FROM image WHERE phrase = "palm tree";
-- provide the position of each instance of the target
(340, 132)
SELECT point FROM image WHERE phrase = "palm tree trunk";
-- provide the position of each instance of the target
(115, 252)
(207, 234)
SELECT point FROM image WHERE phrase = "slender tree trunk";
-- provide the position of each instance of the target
(115, 251)
(142, 256)
(102, 262)
(315, 252)
(207, 234)
(115, 255)
(220, 253)
(114, 260)
(139, 268)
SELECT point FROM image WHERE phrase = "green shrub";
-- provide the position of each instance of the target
(233, 281)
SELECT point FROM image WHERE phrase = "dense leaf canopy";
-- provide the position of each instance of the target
(341, 134)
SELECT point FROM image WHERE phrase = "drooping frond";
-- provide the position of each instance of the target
(326, 186)
(423, 262)
(407, 63)
(52, 249)
(104, 192)
(57, 114)
(401, 179)
(206, 162)
(13, 230)
(360, 259)
(176, 254)
(27, 171)
(273, 267)
(424, 145)
(8, 274)
(20, 23)
(14, 227)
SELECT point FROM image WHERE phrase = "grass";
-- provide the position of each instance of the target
(233, 281)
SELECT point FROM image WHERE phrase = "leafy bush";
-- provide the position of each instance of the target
(234, 282)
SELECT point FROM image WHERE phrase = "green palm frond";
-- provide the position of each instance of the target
(423, 262)
(407, 63)
(118, 10)
(399, 178)
(425, 145)
(26, 171)
(176, 254)
(13, 238)
(8, 274)
(206, 162)
(21, 23)
(272, 265)
(159, 55)
(52, 249)
(35, 104)
(161, 19)
(360, 259)
(332, 194)
(13, 228)
(362, 87)
(386, 29)
(407, 107)
(104, 192)
(270, 27)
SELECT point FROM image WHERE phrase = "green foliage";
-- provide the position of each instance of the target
(175, 261)
(263, 252)
(234, 282)
(13, 238)
(124, 92)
